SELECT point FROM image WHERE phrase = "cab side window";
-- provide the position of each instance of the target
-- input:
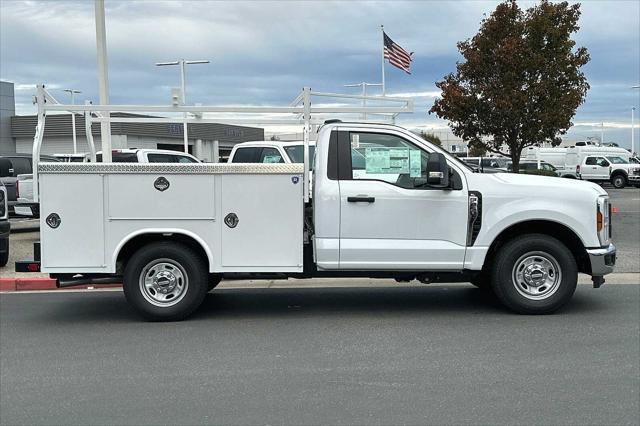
(161, 158)
(391, 159)
(184, 159)
(246, 155)
(591, 161)
(270, 155)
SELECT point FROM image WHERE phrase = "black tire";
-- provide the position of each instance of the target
(4, 257)
(214, 280)
(618, 181)
(544, 252)
(175, 260)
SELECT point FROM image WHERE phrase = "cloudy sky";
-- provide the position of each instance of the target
(263, 52)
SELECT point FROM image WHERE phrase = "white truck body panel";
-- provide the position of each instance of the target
(103, 206)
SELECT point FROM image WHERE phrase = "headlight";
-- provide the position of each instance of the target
(603, 220)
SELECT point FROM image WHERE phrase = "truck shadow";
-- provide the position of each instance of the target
(440, 300)
(300, 302)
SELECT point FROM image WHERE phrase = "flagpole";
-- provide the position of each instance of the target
(382, 63)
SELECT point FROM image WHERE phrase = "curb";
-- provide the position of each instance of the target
(27, 284)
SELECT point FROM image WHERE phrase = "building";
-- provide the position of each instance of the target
(7, 110)
(18, 131)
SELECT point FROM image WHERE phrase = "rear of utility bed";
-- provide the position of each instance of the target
(244, 217)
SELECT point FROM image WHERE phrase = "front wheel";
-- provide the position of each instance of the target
(534, 274)
(618, 181)
(165, 281)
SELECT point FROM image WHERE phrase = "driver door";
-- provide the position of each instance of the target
(389, 217)
(596, 168)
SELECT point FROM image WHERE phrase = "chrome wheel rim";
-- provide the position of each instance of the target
(536, 275)
(163, 282)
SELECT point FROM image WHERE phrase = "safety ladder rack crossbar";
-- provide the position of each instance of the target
(300, 111)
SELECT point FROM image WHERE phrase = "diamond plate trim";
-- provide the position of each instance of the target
(155, 168)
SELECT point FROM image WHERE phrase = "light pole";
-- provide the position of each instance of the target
(182, 63)
(633, 146)
(633, 109)
(73, 118)
(364, 92)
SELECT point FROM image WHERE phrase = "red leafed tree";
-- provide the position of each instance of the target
(520, 82)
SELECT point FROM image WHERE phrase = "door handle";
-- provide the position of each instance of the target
(361, 199)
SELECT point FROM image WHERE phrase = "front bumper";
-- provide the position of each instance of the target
(603, 260)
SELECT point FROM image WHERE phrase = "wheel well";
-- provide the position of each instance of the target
(553, 229)
(618, 173)
(135, 243)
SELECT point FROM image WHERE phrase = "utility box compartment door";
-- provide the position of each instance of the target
(78, 240)
(268, 233)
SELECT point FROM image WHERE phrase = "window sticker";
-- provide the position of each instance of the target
(415, 163)
(385, 160)
(271, 159)
(377, 160)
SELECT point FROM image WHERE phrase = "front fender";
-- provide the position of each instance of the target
(580, 220)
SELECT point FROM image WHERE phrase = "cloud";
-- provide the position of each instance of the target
(263, 53)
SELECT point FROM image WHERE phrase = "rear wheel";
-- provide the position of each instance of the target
(619, 181)
(165, 281)
(534, 274)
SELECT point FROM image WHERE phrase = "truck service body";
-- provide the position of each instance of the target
(385, 203)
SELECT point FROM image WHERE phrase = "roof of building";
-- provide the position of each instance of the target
(23, 126)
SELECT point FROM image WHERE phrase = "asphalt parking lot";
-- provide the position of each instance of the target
(434, 354)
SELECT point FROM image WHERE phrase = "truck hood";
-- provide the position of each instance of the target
(532, 184)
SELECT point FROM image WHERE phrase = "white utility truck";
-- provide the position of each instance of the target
(410, 210)
(589, 162)
(609, 168)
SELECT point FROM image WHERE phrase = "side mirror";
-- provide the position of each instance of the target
(437, 171)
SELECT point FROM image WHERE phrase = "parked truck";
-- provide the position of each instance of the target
(609, 168)
(410, 210)
(584, 162)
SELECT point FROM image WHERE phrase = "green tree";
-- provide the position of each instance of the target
(431, 137)
(520, 81)
(477, 150)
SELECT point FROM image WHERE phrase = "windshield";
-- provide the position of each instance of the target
(617, 160)
(296, 154)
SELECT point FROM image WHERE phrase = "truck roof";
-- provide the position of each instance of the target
(273, 143)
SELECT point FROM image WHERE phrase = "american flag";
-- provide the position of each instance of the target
(396, 55)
